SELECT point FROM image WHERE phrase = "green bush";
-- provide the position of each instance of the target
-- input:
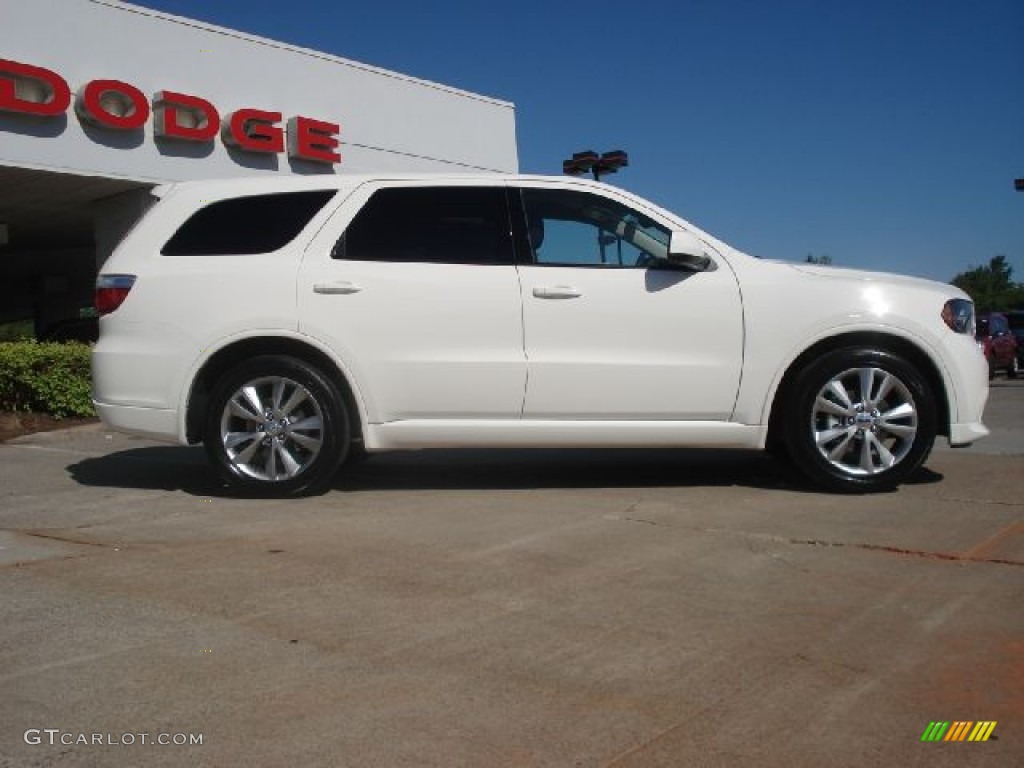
(19, 330)
(46, 377)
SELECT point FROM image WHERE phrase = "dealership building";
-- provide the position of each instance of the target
(102, 100)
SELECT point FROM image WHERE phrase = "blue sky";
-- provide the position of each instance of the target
(883, 133)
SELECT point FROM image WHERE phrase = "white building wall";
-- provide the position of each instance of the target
(389, 122)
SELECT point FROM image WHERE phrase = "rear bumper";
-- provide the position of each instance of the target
(156, 423)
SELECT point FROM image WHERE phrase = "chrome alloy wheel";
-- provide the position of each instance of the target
(864, 421)
(272, 428)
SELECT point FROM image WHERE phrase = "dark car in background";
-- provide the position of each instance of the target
(1000, 345)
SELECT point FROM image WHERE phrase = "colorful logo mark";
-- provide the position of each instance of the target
(959, 730)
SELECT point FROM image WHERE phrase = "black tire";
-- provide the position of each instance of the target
(276, 426)
(848, 441)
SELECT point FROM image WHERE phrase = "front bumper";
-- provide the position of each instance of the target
(965, 434)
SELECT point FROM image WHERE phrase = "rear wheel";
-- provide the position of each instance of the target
(860, 420)
(276, 426)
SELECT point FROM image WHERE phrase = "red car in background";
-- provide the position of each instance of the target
(1000, 345)
(1016, 320)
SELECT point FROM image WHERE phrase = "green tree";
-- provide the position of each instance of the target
(992, 286)
(823, 259)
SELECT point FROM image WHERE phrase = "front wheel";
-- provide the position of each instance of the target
(860, 420)
(276, 427)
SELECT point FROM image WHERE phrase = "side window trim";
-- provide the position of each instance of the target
(517, 216)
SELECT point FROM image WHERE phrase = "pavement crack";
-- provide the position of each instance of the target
(66, 539)
(907, 552)
(973, 555)
(30, 563)
(626, 516)
(993, 502)
(71, 661)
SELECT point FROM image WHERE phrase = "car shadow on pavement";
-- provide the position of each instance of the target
(924, 476)
(163, 468)
(515, 469)
(186, 469)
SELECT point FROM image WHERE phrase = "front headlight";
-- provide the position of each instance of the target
(958, 314)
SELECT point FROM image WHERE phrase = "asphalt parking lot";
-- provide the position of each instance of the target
(509, 608)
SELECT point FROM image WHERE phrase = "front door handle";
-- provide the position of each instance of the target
(339, 288)
(557, 292)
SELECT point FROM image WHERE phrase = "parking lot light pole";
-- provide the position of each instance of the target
(589, 161)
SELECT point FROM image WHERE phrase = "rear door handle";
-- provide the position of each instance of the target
(339, 288)
(557, 292)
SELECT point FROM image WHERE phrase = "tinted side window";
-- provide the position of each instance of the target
(583, 229)
(257, 224)
(453, 225)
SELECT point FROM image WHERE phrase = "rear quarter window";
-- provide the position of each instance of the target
(246, 225)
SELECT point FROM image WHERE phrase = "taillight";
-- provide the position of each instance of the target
(111, 291)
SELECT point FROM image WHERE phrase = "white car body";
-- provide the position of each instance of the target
(520, 354)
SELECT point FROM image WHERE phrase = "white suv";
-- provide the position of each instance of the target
(287, 323)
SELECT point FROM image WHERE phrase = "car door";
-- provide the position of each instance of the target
(414, 287)
(611, 330)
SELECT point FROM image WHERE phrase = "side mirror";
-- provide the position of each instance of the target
(686, 250)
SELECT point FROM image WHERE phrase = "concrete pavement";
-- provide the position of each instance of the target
(507, 608)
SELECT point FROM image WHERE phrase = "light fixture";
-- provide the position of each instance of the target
(599, 165)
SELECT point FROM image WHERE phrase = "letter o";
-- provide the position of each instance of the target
(112, 104)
